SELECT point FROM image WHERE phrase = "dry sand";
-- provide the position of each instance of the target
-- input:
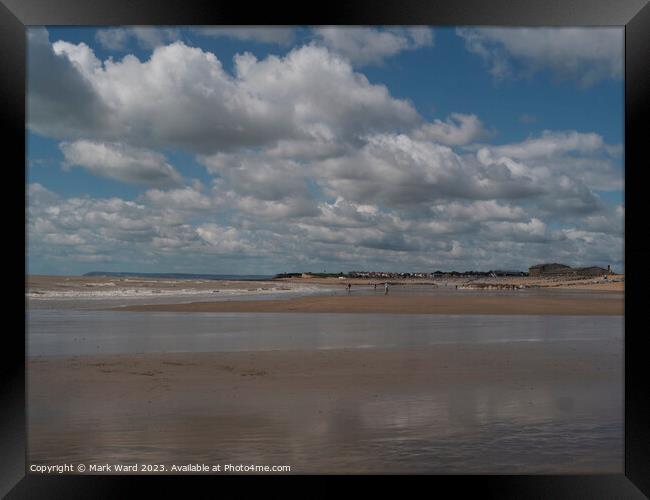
(457, 303)
(313, 410)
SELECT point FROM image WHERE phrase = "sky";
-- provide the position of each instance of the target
(262, 150)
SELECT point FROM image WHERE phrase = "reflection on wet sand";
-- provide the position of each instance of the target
(553, 408)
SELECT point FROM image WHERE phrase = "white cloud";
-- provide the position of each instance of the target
(224, 239)
(458, 130)
(186, 198)
(363, 45)
(610, 222)
(258, 176)
(120, 162)
(261, 185)
(411, 179)
(38, 195)
(182, 97)
(342, 233)
(567, 158)
(397, 170)
(551, 143)
(304, 150)
(88, 229)
(479, 211)
(309, 162)
(534, 230)
(80, 55)
(586, 55)
(280, 210)
(63, 239)
(327, 97)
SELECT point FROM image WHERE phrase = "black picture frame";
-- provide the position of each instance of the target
(634, 15)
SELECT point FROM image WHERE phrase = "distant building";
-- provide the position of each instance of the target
(500, 273)
(592, 271)
(555, 269)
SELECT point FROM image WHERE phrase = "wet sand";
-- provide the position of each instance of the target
(449, 408)
(457, 303)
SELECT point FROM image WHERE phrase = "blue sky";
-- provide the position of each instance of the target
(264, 150)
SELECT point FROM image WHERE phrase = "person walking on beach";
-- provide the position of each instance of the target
(375, 286)
(349, 288)
(386, 288)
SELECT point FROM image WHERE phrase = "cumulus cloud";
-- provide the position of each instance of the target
(365, 46)
(610, 221)
(262, 187)
(328, 98)
(343, 233)
(224, 239)
(534, 230)
(489, 210)
(398, 170)
(587, 55)
(187, 198)
(568, 158)
(554, 174)
(258, 176)
(89, 229)
(370, 237)
(458, 130)
(260, 209)
(120, 162)
(61, 101)
(182, 97)
(63, 239)
(551, 143)
(38, 195)
(307, 163)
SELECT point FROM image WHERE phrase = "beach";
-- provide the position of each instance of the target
(476, 409)
(426, 379)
